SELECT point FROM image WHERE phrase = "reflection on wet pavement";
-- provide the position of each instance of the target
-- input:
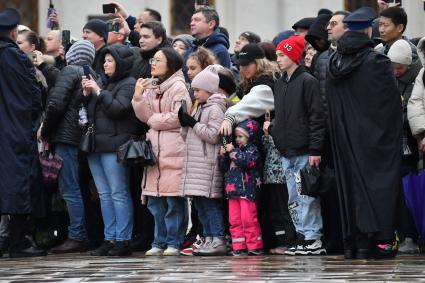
(82, 267)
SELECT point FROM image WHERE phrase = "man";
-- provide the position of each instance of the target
(365, 126)
(298, 133)
(204, 26)
(20, 110)
(54, 47)
(96, 32)
(117, 37)
(302, 26)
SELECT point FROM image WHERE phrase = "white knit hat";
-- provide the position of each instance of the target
(401, 52)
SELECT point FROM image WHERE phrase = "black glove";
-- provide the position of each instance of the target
(185, 119)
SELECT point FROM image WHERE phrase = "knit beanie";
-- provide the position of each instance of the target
(400, 52)
(81, 52)
(292, 47)
(207, 80)
(99, 27)
(227, 83)
(187, 40)
(251, 129)
(251, 37)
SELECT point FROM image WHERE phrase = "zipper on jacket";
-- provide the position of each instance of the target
(159, 150)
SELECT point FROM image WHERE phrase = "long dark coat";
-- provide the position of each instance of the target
(20, 109)
(365, 127)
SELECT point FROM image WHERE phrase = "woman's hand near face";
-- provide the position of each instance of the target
(141, 85)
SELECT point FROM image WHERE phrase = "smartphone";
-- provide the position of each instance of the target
(66, 38)
(184, 106)
(267, 115)
(113, 27)
(32, 57)
(225, 140)
(86, 70)
(108, 8)
(202, 2)
(153, 83)
(50, 11)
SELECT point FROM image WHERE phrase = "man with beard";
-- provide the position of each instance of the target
(365, 127)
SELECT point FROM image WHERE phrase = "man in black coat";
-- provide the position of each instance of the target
(365, 126)
(20, 109)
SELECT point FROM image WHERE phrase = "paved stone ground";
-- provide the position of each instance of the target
(137, 268)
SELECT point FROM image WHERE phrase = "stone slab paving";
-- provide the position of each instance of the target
(138, 268)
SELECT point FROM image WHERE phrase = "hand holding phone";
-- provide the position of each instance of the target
(114, 27)
(153, 83)
(184, 106)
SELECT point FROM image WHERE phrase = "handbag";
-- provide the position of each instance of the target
(137, 152)
(310, 181)
(51, 165)
(88, 143)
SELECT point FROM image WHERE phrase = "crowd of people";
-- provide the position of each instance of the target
(232, 136)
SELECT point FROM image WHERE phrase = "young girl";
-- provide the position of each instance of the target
(242, 165)
(202, 178)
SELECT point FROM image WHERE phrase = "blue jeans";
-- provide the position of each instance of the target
(69, 185)
(304, 210)
(113, 184)
(210, 213)
(169, 215)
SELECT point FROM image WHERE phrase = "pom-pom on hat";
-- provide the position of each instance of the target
(292, 47)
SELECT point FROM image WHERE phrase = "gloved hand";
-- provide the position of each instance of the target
(186, 120)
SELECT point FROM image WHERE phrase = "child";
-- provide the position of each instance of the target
(242, 165)
(202, 178)
(298, 133)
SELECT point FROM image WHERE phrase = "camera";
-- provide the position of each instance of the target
(113, 27)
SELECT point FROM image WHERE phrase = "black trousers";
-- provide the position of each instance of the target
(276, 204)
(18, 228)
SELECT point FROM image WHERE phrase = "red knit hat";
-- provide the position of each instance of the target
(292, 47)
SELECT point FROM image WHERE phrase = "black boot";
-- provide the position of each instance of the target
(121, 248)
(103, 249)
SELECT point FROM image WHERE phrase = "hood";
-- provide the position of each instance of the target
(411, 73)
(217, 99)
(165, 85)
(215, 38)
(421, 50)
(353, 48)
(123, 57)
(317, 31)
(252, 128)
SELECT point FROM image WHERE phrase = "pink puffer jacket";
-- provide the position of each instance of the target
(158, 108)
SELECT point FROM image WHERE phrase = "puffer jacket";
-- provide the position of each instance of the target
(158, 108)
(111, 111)
(201, 175)
(416, 103)
(61, 122)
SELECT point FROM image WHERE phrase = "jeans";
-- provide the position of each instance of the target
(210, 213)
(69, 185)
(169, 214)
(112, 181)
(304, 210)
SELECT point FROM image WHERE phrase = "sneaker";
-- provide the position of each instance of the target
(103, 249)
(239, 253)
(121, 248)
(292, 249)
(386, 250)
(170, 251)
(204, 245)
(70, 246)
(408, 246)
(256, 252)
(154, 252)
(188, 241)
(195, 247)
(311, 247)
(217, 247)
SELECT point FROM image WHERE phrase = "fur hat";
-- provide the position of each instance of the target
(400, 52)
(292, 47)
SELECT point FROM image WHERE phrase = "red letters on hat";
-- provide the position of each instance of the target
(292, 47)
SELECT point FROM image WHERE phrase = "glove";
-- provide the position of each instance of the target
(186, 120)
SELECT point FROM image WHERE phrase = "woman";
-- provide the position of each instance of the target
(158, 107)
(114, 122)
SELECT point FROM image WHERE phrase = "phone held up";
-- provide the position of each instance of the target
(50, 11)
(66, 39)
(86, 70)
(184, 106)
(153, 83)
(113, 27)
(108, 8)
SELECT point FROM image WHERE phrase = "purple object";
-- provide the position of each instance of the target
(50, 11)
(414, 193)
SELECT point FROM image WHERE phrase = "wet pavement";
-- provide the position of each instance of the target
(138, 268)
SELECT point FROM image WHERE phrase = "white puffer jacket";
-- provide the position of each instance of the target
(416, 103)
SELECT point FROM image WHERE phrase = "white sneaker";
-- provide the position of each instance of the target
(154, 251)
(171, 251)
(408, 246)
(311, 247)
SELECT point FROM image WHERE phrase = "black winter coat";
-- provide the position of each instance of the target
(111, 111)
(300, 123)
(141, 67)
(365, 116)
(20, 109)
(61, 122)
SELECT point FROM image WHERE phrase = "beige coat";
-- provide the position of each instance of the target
(416, 103)
(158, 108)
(201, 174)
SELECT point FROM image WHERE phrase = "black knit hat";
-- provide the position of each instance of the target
(251, 37)
(99, 27)
(226, 83)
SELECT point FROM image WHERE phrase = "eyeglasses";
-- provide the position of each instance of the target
(154, 61)
(332, 24)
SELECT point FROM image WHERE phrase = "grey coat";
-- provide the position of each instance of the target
(201, 175)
